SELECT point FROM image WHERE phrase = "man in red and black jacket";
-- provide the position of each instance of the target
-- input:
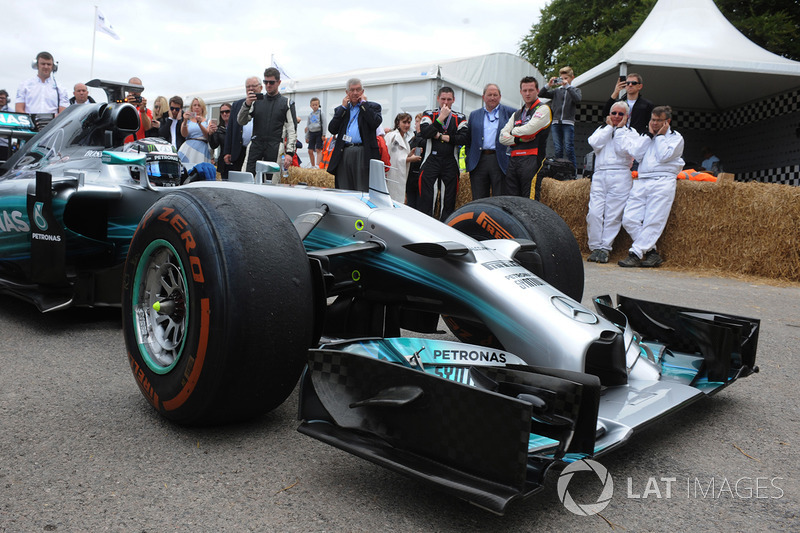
(445, 131)
(521, 133)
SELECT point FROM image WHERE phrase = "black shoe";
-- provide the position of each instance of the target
(594, 256)
(631, 261)
(651, 259)
(602, 256)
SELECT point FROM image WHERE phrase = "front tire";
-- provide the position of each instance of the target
(217, 306)
(557, 258)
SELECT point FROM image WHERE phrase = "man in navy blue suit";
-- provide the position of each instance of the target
(487, 159)
(237, 137)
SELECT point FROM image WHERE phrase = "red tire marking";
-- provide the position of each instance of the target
(460, 218)
(197, 367)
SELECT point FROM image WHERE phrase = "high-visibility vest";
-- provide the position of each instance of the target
(695, 175)
(327, 152)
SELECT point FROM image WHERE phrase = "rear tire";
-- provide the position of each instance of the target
(557, 258)
(233, 316)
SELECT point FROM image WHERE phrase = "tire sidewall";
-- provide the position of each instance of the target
(509, 217)
(184, 228)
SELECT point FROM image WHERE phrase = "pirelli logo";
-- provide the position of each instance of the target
(492, 227)
(500, 263)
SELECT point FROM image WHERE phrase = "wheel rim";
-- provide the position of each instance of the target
(160, 306)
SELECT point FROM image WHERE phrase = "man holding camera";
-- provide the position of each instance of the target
(237, 137)
(630, 87)
(170, 128)
(145, 115)
(564, 99)
(271, 115)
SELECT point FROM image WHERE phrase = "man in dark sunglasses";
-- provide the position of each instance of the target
(628, 90)
(272, 119)
(614, 144)
(170, 129)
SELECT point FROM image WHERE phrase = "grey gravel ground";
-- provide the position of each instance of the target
(80, 450)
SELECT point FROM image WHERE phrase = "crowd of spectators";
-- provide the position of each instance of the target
(504, 147)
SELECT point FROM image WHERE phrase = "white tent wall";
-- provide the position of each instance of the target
(407, 88)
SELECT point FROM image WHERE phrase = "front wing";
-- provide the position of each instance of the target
(481, 424)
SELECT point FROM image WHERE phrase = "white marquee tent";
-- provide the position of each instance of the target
(728, 92)
(691, 57)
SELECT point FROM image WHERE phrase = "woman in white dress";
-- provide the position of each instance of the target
(401, 157)
(194, 129)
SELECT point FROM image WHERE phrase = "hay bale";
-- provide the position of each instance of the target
(314, 177)
(730, 227)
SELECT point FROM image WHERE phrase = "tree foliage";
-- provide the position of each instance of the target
(583, 33)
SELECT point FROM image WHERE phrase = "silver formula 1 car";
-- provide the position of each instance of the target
(233, 291)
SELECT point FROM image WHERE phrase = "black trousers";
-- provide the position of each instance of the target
(521, 170)
(440, 174)
(486, 179)
(351, 174)
(261, 150)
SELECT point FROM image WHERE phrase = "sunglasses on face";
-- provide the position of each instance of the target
(617, 113)
(270, 82)
(631, 83)
(174, 108)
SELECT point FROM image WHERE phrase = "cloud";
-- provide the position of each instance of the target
(182, 47)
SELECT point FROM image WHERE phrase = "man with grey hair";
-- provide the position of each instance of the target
(353, 126)
(487, 159)
(237, 137)
(614, 144)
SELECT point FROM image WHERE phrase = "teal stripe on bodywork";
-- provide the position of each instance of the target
(321, 239)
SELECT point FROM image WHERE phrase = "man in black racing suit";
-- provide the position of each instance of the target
(521, 134)
(445, 131)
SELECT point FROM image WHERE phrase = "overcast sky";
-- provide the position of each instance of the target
(179, 47)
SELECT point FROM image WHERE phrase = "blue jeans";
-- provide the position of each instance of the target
(564, 141)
